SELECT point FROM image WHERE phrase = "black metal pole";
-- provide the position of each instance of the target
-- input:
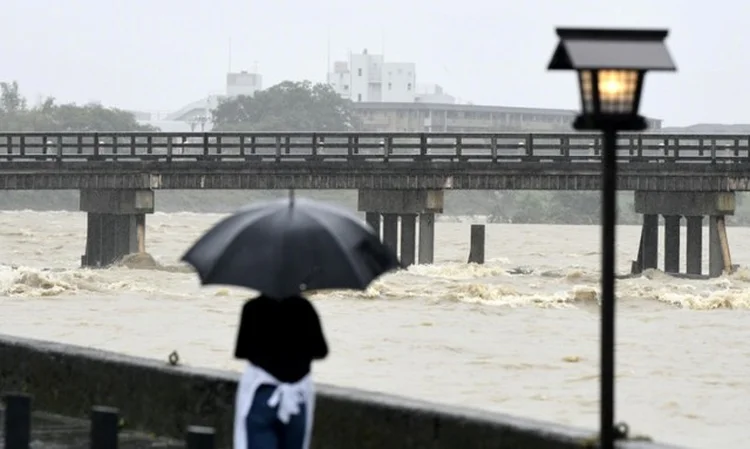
(17, 421)
(105, 425)
(609, 218)
(199, 437)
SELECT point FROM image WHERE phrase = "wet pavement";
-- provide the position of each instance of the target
(58, 432)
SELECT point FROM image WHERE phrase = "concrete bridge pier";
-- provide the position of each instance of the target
(648, 250)
(694, 249)
(693, 206)
(426, 238)
(390, 231)
(672, 243)
(115, 225)
(373, 219)
(386, 209)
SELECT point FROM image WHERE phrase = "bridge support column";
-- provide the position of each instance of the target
(693, 205)
(650, 241)
(115, 225)
(672, 243)
(426, 238)
(373, 219)
(408, 205)
(714, 247)
(390, 231)
(719, 257)
(648, 249)
(408, 239)
(694, 250)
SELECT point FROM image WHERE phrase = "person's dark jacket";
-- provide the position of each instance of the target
(282, 336)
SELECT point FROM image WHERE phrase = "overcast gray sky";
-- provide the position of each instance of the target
(161, 54)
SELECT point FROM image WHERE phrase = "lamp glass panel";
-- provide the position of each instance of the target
(586, 79)
(617, 91)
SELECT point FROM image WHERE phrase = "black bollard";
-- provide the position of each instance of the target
(17, 421)
(104, 427)
(476, 245)
(199, 437)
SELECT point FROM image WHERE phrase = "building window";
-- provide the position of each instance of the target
(359, 72)
(359, 97)
(390, 85)
(408, 86)
(346, 87)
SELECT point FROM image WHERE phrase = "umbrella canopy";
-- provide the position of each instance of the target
(282, 248)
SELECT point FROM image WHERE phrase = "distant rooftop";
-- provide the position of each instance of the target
(460, 107)
(205, 104)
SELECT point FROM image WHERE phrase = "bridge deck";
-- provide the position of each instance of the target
(499, 161)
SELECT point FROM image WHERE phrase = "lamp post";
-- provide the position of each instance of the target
(611, 65)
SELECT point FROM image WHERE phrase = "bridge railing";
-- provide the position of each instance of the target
(376, 147)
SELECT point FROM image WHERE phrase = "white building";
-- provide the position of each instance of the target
(197, 114)
(368, 78)
(243, 83)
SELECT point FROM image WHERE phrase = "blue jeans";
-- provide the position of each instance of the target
(266, 431)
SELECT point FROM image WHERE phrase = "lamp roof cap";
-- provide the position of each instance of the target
(613, 49)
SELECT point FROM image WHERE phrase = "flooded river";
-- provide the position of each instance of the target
(525, 344)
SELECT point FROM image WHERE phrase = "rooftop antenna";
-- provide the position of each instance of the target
(382, 42)
(255, 67)
(229, 62)
(328, 53)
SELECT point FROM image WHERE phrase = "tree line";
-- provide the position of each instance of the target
(17, 116)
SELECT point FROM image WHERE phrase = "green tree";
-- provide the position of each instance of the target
(10, 98)
(16, 116)
(288, 106)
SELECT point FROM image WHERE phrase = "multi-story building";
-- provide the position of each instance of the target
(368, 78)
(445, 117)
(387, 99)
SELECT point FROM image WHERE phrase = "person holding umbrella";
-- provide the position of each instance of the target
(283, 249)
(279, 339)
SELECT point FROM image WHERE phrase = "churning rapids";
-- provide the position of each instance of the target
(524, 343)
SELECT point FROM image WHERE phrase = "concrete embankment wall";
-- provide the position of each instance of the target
(156, 397)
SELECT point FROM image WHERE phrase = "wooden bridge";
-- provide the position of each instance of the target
(281, 160)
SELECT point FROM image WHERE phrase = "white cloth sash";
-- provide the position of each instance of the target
(288, 397)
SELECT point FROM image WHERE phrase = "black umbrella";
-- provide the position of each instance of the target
(281, 248)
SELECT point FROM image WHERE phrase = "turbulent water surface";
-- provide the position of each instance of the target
(461, 334)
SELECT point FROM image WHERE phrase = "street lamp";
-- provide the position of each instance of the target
(611, 66)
